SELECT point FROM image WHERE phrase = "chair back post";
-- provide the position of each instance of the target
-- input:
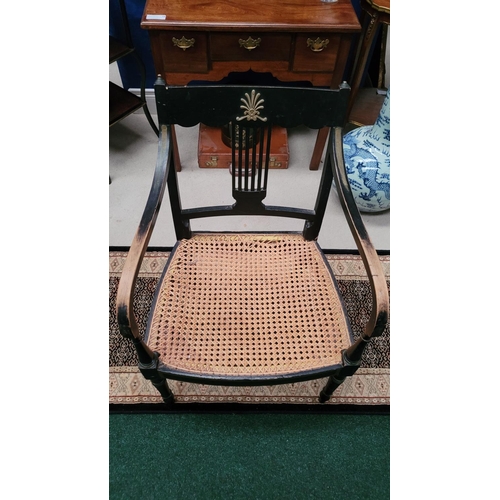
(311, 229)
(182, 227)
(160, 87)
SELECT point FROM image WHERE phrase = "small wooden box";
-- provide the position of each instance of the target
(213, 153)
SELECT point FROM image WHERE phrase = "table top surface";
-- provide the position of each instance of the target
(255, 15)
(380, 5)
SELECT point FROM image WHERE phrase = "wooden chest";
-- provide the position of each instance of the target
(213, 153)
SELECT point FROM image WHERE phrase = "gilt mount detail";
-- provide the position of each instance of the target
(252, 105)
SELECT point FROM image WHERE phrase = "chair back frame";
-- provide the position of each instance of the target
(249, 113)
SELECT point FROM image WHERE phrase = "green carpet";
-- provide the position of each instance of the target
(249, 456)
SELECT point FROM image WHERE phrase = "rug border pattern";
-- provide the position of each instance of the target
(344, 266)
(368, 386)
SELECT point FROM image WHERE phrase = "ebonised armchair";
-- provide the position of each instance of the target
(248, 308)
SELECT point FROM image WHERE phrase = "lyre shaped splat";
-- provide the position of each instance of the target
(251, 150)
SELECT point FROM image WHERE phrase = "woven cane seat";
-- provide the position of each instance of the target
(247, 305)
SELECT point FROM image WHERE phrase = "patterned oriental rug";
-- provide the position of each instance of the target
(368, 387)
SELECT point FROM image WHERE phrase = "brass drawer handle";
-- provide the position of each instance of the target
(250, 43)
(184, 43)
(317, 45)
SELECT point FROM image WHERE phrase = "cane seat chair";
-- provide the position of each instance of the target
(249, 308)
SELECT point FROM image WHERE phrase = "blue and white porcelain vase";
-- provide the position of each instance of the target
(367, 159)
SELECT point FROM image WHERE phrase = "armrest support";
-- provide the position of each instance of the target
(124, 300)
(380, 294)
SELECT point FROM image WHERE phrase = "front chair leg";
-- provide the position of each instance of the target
(333, 382)
(161, 384)
(150, 372)
(351, 361)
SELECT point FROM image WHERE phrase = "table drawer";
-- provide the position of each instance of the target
(184, 51)
(316, 52)
(249, 46)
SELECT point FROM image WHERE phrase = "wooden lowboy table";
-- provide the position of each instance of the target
(295, 40)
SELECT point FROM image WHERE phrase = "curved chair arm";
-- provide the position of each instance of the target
(124, 300)
(380, 294)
